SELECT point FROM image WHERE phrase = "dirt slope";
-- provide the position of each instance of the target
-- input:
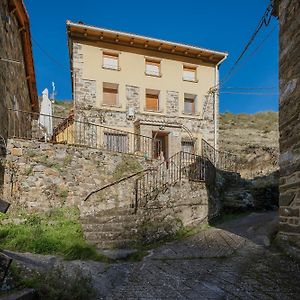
(254, 138)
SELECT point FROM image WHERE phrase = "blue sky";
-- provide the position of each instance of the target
(220, 25)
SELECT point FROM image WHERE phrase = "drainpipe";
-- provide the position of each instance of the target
(216, 102)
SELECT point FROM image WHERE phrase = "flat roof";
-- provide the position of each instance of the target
(91, 33)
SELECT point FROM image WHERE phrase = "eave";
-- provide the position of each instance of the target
(18, 9)
(82, 32)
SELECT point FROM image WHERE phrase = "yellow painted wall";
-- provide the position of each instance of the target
(132, 72)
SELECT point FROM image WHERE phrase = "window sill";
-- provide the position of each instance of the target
(112, 105)
(153, 75)
(152, 111)
(188, 80)
(112, 69)
(191, 114)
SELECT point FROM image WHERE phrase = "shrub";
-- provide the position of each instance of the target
(59, 232)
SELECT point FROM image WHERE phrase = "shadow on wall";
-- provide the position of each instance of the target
(2, 162)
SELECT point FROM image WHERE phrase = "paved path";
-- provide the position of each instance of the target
(232, 261)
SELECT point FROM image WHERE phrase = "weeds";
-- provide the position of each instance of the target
(55, 284)
(56, 233)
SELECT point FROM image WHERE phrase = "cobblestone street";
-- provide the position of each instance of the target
(230, 261)
(216, 264)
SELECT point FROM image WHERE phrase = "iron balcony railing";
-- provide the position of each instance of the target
(171, 171)
(222, 160)
(54, 129)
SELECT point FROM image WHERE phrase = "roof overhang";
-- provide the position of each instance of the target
(82, 32)
(17, 7)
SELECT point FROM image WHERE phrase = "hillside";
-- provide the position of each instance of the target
(62, 108)
(254, 138)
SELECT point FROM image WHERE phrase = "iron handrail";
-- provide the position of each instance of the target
(55, 129)
(115, 182)
(222, 160)
(169, 172)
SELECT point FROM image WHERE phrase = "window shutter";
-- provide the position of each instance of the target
(152, 102)
(110, 96)
(152, 68)
(189, 73)
(110, 61)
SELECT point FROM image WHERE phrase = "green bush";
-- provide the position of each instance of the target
(56, 233)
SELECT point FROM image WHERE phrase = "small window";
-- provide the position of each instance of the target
(152, 67)
(189, 73)
(187, 146)
(110, 94)
(190, 104)
(116, 142)
(110, 61)
(152, 100)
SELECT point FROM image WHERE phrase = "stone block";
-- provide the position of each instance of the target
(17, 151)
(289, 212)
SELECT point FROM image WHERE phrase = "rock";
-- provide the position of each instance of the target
(16, 151)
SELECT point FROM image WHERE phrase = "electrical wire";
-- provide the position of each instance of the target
(253, 52)
(249, 88)
(50, 56)
(265, 20)
(249, 93)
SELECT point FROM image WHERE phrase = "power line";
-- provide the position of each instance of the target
(50, 56)
(249, 88)
(250, 93)
(253, 52)
(265, 20)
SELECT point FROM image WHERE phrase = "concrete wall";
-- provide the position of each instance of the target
(89, 77)
(289, 120)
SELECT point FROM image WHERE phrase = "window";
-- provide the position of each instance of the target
(110, 94)
(152, 100)
(116, 142)
(110, 61)
(189, 73)
(190, 104)
(187, 146)
(152, 67)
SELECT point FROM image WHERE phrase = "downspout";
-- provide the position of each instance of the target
(216, 102)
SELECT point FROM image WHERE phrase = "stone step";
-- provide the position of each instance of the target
(102, 227)
(96, 219)
(108, 235)
(119, 243)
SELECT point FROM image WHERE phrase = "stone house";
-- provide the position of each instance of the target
(288, 12)
(17, 77)
(146, 86)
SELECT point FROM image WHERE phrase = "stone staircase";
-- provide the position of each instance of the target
(113, 228)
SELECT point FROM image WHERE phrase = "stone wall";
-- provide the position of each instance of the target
(289, 120)
(14, 91)
(41, 176)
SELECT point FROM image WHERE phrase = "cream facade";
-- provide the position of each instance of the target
(147, 86)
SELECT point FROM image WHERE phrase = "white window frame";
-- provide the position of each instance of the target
(192, 97)
(111, 63)
(150, 62)
(186, 75)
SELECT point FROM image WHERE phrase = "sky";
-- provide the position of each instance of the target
(218, 25)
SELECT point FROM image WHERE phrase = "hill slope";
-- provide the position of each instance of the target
(254, 138)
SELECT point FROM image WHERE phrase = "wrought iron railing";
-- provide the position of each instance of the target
(222, 160)
(54, 129)
(171, 171)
